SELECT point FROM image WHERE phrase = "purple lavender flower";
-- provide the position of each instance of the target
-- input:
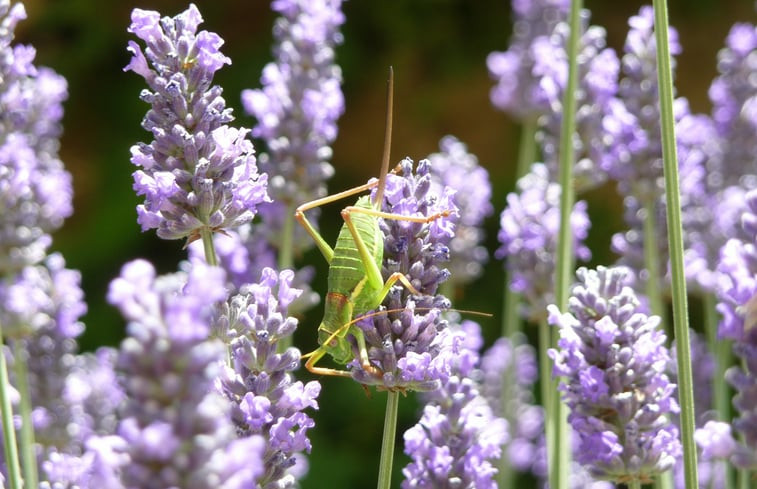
(99, 466)
(614, 359)
(520, 91)
(529, 227)
(297, 110)
(734, 98)
(744, 380)
(458, 435)
(458, 169)
(598, 68)
(35, 189)
(198, 173)
(265, 398)
(174, 423)
(513, 399)
(406, 343)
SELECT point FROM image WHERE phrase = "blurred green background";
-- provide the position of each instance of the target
(438, 49)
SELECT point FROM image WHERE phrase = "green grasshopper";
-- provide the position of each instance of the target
(355, 284)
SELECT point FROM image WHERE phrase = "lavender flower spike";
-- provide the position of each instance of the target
(35, 188)
(614, 359)
(266, 400)
(198, 173)
(174, 423)
(297, 109)
(458, 435)
(529, 226)
(408, 345)
(458, 169)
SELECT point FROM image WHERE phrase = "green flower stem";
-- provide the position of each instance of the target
(547, 391)
(721, 396)
(675, 244)
(28, 453)
(210, 249)
(387, 441)
(652, 260)
(634, 484)
(559, 467)
(511, 322)
(286, 259)
(9, 432)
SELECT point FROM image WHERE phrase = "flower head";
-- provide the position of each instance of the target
(174, 423)
(297, 109)
(198, 173)
(266, 400)
(458, 169)
(35, 189)
(458, 435)
(528, 234)
(406, 343)
(613, 359)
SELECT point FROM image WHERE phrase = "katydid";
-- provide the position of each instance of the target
(355, 284)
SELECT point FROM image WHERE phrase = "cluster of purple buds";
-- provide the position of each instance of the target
(260, 385)
(528, 234)
(613, 360)
(458, 435)
(297, 109)
(735, 107)
(176, 427)
(509, 372)
(406, 342)
(520, 90)
(35, 189)
(198, 175)
(458, 169)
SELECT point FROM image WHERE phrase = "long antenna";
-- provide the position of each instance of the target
(387, 140)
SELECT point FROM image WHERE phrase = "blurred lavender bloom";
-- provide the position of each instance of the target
(513, 399)
(734, 98)
(265, 398)
(519, 91)
(613, 359)
(638, 167)
(174, 423)
(297, 110)
(407, 343)
(744, 380)
(198, 173)
(737, 274)
(528, 234)
(98, 467)
(458, 169)
(458, 436)
(35, 189)
(598, 68)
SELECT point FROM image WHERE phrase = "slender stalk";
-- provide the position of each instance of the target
(210, 249)
(675, 244)
(652, 260)
(286, 259)
(387, 441)
(28, 454)
(547, 391)
(634, 484)
(511, 321)
(721, 395)
(13, 466)
(559, 469)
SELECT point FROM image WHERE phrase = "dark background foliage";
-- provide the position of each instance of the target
(438, 49)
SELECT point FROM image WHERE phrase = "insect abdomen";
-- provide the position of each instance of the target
(347, 271)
